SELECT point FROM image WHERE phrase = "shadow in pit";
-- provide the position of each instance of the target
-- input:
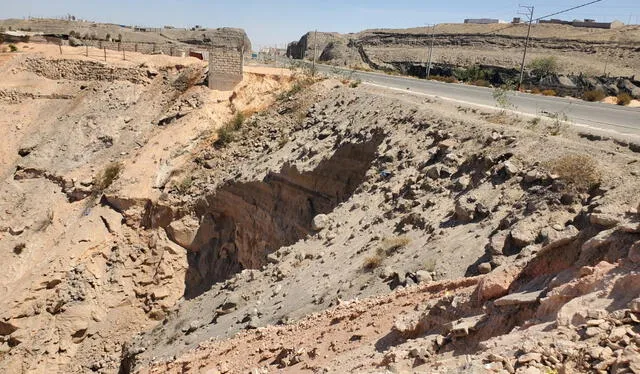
(244, 222)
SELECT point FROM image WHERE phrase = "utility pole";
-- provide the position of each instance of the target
(433, 34)
(315, 51)
(526, 43)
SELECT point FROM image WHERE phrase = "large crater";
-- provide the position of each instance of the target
(242, 223)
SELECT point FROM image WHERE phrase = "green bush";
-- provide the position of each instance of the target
(593, 95)
(237, 121)
(13, 48)
(474, 73)
(544, 66)
(624, 99)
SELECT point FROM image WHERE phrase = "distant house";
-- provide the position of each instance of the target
(483, 21)
(591, 23)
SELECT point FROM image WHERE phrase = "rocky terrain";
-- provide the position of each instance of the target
(578, 50)
(303, 225)
(78, 31)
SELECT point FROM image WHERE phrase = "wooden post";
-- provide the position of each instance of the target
(60, 45)
(154, 47)
(86, 52)
(124, 57)
(171, 51)
(118, 46)
(105, 54)
(135, 48)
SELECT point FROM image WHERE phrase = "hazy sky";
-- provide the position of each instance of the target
(281, 21)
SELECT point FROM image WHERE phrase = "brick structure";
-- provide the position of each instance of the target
(225, 68)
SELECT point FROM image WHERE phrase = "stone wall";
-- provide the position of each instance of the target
(147, 48)
(225, 68)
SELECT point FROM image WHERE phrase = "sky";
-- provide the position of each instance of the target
(278, 22)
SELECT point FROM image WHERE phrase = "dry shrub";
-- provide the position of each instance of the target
(480, 83)
(593, 95)
(536, 91)
(624, 99)
(581, 171)
(549, 93)
(107, 177)
(372, 262)
(444, 79)
(391, 245)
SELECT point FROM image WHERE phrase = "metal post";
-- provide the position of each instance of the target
(315, 50)
(433, 33)
(526, 44)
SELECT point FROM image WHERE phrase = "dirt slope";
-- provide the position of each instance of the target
(444, 195)
(77, 280)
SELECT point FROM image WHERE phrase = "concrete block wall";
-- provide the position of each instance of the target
(225, 68)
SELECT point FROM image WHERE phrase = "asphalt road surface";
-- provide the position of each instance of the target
(597, 116)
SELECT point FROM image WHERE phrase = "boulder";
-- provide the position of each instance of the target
(484, 268)
(183, 231)
(605, 220)
(522, 235)
(496, 284)
(464, 211)
(320, 222)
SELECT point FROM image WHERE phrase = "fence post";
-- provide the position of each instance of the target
(60, 45)
(171, 51)
(135, 48)
(123, 55)
(86, 52)
(105, 54)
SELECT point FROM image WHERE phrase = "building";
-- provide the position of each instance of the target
(590, 23)
(483, 21)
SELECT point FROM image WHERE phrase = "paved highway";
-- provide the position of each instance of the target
(607, 117)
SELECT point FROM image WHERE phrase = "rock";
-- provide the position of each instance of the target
(320, 222)
(448, 144)
(464, 212)
(161, 293)
(423, 276)
(634, 305)
(552, 238)
(617, 333)
(484, 268)
(75, 42)
(495, 284)
(519, 298)
(184, 231)
(462, 183)
(522, 236)
(529, 357)
(605, 220)
(510, 169)
(497, 243)
(634, 252)
(7, 328)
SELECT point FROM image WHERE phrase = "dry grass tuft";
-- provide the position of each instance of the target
(581, 171)
(372, 262)
(593, 95)
(624, 99)
(108, 176)
(391, 245)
